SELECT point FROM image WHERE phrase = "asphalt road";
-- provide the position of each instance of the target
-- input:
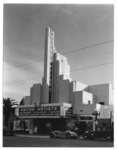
(9, 141)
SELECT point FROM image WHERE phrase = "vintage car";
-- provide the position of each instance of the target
(7, 131)
(63, 134)
(102, 135)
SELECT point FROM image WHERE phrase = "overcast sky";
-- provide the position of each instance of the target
(75, 27)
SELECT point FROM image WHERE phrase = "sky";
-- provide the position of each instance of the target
(85, 30)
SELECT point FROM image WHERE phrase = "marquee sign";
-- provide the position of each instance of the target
(86, 118)
(40, 111)
(69, 112)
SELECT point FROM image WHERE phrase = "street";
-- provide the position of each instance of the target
(13, 141)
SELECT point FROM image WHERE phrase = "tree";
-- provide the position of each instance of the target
(70, 124)
(9, 108)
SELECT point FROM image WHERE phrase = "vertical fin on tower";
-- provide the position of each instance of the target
(48, 57)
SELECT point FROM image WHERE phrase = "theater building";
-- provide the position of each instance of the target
(58, 98)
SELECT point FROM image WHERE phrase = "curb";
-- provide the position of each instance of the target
(35, 136)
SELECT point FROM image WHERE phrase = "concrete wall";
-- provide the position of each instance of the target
(80, 103)
(104, 111)
(64, 91)
(77, 99)
(64, 68)
(87, 109)
(55, 80)
(71, 93)
(59, 86)
(81, 106)
(27, 100)
(87, 98)
(36, 93)
(101, 92)
(45, 93)
(78, 86)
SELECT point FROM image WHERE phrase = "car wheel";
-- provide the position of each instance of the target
(52, 135)
(68, 135)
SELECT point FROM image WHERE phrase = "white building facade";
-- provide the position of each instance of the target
(58, 90)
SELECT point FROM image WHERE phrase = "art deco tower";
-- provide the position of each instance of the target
(48, 56)
(56, 72)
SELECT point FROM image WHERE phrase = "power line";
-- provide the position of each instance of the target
(83, 48)
(37, 77)
(82, 68)
(23, 65)
(72, 51)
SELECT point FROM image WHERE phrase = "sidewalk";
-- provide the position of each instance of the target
(36, 136)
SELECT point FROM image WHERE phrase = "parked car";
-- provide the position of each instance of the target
(63, 134)
(7, 131)
(92, 135)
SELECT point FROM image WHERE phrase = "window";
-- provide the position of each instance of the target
(102, 103)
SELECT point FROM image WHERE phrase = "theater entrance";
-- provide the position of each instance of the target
(46, 125)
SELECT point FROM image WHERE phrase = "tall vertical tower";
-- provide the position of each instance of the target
(48, 57)
(55, 65)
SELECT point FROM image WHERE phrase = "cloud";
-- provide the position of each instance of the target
(75, 26)
(15, 92)
(23, 72)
